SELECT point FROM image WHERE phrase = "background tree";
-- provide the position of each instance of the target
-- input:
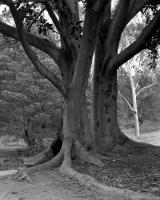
(29, 102)
(147, 90)
(142, 80)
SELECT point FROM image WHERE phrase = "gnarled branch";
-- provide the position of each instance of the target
(136, 46)
(56, 23)
(43, 70)
(118, 24)
(136, 6)
(42, 44)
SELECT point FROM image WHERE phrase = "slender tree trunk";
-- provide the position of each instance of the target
(136, 121)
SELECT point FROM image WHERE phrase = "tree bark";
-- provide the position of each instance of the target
(106, 129)
(107, 133)
(72, 94)
(86, 127)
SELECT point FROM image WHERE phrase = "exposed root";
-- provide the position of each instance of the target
(129, 146)
(82, 178)
(123, 144)
(63, 159)
(54, 162)
(131, 143)
(91, 183)
(86, 180)
(38, 159)
(33, 158)
(64, 154)
(46, 155)
(25, 176)
(119, 149)
(85, 156)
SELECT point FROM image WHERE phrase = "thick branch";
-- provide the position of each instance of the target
(136, 6)
(117, 25)
(42, 44)
(136, 46)
(43, 70)
(129, 105)
(73, 6)
(53, 17)
(56, 23)
(146, 87)
(68, 18)
(91, 28)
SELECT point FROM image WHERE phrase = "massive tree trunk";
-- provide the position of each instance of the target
(86, 136)
(107, 133)
(71, 140)
(71, 146)
(106, 128)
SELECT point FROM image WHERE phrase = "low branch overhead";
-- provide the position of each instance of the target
(42, 44)
(136, 46)
(31, 54)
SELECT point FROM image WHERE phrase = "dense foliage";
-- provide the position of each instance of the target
(27, 100)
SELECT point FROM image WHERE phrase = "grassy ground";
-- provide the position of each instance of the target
(149, 133)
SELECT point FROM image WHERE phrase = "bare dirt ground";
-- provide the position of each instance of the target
(49, 185)
(135, 171)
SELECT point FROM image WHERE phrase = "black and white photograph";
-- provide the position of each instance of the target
(79, 99)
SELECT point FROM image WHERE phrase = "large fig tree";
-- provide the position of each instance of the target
(99, 30)
(73, 56)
